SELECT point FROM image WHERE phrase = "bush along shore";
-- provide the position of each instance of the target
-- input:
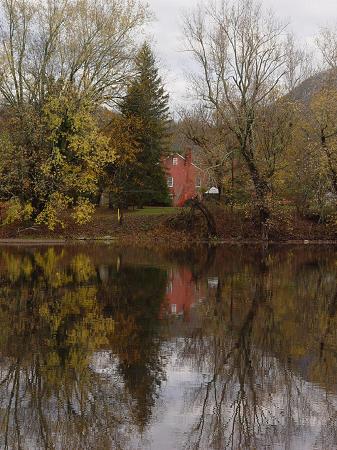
(177, 226)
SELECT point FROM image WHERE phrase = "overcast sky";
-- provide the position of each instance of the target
(305, 18)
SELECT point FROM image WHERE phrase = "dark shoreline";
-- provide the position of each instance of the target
(120, 241)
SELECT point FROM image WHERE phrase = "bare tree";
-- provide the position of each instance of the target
(322, 111)
(327, 44)
(298, 64)
(322, 130)
(83, 42)
(242, 59)
(214, 144)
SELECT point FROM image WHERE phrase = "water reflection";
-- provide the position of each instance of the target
(108, 348)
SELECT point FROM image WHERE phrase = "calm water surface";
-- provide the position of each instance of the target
(116, 348)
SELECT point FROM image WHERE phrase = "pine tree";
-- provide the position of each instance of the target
(147, 102)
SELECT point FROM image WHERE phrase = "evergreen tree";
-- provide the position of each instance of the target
(147, 102)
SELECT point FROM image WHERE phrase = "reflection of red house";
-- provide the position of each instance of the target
(184, 179)
(182, 292)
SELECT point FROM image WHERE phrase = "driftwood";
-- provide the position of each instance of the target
(21, 230)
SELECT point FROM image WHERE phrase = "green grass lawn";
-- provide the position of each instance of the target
(146, 211)
(153, 211)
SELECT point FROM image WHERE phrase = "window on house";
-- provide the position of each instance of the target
(174, 309)
(175, 161)
(170, 181)
(198, 182)
(169, 287)
(213, 282)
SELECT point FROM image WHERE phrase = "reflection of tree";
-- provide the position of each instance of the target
(138, 301)
(54, 334)
(253, 343)
(199, 259)
(232, 363)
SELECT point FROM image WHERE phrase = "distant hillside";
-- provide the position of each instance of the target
(311, 85)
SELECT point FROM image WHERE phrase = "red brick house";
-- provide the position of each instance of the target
(184, 179)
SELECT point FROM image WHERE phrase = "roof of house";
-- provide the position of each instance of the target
(175, 154)
(212, 190)
(182, 157)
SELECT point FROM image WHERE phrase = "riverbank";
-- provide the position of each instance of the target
(173, 227)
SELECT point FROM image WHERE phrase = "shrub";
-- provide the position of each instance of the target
(17, 211)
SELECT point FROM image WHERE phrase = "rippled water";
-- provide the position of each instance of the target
(215, 348)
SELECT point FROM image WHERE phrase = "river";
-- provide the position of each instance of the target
(228, 347)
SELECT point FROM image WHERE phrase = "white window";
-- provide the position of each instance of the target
(170, 181)
(175, 161)
(174, 309)
(169, 287)
(213, 282)
(198, 182)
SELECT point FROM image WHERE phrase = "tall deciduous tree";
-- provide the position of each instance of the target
(322, 129)
(323, 109)
(147, 102)
(242, 60)
(87, 43)
(59, 62)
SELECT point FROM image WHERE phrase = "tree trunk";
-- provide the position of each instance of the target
(262, 191)
(211, 225)
(219, 192)
(332, 170)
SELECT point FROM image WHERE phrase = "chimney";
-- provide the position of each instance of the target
(188, 157)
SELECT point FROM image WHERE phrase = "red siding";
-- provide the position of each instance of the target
(185, 175)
